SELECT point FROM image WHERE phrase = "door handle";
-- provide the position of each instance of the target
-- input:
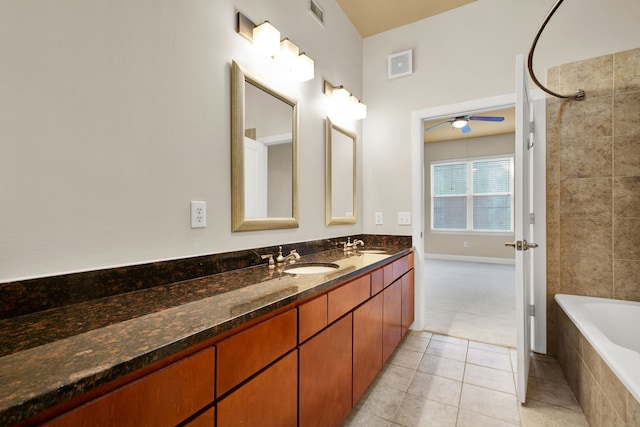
(521, 245)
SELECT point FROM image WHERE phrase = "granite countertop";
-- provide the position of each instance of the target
(51, 356)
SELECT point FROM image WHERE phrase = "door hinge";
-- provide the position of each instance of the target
(532, 310)
(532, 218)
(532, 127)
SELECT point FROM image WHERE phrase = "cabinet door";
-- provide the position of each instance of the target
(408, 301)
(246, 352)
(270, 399)
(367, 345)
(391, 319)
(312, 318)
(326, 366)
(163, 398)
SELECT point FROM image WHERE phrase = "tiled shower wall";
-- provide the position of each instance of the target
(593, 181)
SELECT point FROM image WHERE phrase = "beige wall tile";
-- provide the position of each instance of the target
(626, 285)
(587, 119)
(626, 155)
(626, 118)
(614, 390)
(594, 76)
(626, 197)
(585, 237)
(553, 78)
(633, 411)
(596, 163)
(590, 197)
(585, 276)
(626, 70)
(590, 396)
(626, 238)
(591, 359)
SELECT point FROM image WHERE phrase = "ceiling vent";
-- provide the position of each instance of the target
(400, 64)
(316, 11)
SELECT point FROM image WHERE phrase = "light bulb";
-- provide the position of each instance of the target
(267, 38)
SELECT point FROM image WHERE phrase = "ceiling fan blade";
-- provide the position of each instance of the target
(438, 125)
(466, 129)
(486, 118)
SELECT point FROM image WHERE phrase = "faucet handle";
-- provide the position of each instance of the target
(280, 258)
(272, 263)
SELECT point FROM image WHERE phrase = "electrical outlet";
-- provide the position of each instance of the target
(465, 244)
(379, 218)
(404, 218)
(198, 214)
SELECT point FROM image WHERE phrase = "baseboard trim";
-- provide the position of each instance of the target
(487, 260)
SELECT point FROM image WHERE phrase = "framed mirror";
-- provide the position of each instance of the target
(264, 155)
(340, 175)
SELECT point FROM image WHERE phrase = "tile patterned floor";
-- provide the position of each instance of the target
(437, 380)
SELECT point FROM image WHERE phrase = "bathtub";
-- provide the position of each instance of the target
(612, 327)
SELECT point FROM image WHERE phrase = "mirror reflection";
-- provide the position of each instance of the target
(340, 175)
(264, 156)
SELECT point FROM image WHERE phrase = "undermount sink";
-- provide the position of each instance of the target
(373, 250)
(311, 268)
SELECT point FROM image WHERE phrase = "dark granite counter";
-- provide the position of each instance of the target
(53, 355)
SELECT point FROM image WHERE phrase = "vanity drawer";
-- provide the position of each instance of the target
(312, 317)
(246, 352)
(163, 398)
(377, 281)
(397, 268)
(349, 296)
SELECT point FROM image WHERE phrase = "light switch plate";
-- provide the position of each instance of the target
(379, 218)
(404, 218)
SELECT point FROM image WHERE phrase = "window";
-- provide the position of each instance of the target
(472, 195)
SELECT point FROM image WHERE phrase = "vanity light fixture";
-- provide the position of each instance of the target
(267, 39)
(345, 102)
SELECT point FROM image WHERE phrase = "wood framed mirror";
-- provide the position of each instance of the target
(264, 155)
(340, 175)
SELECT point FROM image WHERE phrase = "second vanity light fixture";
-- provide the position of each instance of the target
(267, 39)
(346, 102)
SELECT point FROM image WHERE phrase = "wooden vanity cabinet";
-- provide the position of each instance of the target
(391, 319)
(163, 398)
(247, 352)
(408, 301)
(325, 376)
(367, 344)
(270, 399)
(306, 366)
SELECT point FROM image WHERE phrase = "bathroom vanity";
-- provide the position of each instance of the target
(272, 348)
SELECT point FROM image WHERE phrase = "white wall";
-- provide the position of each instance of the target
(462, 55)
(115, 114)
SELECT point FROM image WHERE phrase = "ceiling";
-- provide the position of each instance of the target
(478, 128)
(371, 17)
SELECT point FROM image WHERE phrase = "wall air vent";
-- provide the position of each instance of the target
(316, 11)
(400, 64)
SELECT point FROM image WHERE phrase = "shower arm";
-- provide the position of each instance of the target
(579, 95)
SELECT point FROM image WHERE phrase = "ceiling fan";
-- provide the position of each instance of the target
(462, 122)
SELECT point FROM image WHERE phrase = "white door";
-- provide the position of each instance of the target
(522, 243)
(255, 179)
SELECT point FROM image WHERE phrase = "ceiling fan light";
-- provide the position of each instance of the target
(459, 122)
